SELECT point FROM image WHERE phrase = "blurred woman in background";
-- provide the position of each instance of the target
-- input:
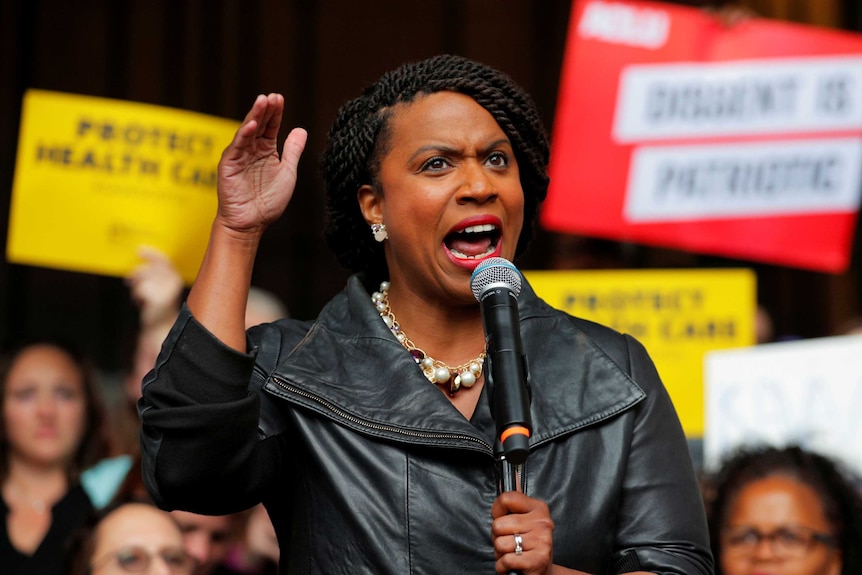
(50, 429)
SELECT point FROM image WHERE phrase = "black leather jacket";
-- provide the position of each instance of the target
(365, 467)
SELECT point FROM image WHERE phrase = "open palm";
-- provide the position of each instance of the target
(254, 184)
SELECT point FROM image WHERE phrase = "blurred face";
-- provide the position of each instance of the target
(141, 539)
(777, 527)
(44, 406)
(206, 538)
(451, 193)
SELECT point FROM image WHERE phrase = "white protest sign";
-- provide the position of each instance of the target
(807, 392)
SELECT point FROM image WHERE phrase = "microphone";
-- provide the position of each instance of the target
(496, 283)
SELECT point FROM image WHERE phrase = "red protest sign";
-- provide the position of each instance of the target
(675, 130)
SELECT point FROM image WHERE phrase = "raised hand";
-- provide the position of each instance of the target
(156, 288)
(254, 184)
(254, 188)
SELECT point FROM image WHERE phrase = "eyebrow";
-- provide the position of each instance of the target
(450, 150)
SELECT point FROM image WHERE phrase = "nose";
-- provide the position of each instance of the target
(158, 566)
(476, 185)
(764, 549)
(46, 405)
(198, 546)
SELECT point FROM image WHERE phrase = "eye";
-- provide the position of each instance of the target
(498, 160)
(23, 393)
(744, 537)
(66, 393)
(790, 538)
(132, 559)
(177, 558)
(435, 164)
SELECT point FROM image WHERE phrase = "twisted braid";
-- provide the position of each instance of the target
(358, 140)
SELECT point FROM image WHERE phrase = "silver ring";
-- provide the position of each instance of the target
(519, 544)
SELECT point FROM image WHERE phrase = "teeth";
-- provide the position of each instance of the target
(479, 229)
(461, 256)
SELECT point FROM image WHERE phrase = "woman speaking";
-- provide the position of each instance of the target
(368, 433)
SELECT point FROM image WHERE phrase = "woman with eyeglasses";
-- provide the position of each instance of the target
(785, 511)
(130, 538)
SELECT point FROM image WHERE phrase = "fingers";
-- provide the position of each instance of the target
(156, 287)
(511, 543)
(293, 147)
(271, 121)
(265, 116)
(513, 502)
(527, 553)
(261, 124)
(522, 533)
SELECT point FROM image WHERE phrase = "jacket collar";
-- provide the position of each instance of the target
(349, 366)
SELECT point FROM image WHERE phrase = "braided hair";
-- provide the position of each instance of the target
(834, 485)
(357, 142)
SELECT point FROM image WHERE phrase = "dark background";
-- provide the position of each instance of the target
(215, 56)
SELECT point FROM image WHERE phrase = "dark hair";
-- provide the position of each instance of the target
(94, 442)
(836, 488)
(357, 139)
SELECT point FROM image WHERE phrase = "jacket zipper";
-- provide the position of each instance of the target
(390, 428)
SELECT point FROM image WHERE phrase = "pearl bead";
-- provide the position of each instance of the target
(475, 368)
(441, 375)
(427, 363)
(468, 379)
(388, 321)
(384, 286)
(376, 296)
(381, 307)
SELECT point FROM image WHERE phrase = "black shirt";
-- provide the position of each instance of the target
(49, 558)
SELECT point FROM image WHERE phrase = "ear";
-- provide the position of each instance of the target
(370, 204)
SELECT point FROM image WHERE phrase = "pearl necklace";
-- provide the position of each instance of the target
(437, 372)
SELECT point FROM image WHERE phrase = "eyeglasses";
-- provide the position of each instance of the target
(137, 560)
(791, 541)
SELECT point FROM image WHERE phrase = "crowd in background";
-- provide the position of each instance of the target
(73, 500)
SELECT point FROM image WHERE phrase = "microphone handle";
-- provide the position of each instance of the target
(507, 372)
(509, 482)
(507, 375)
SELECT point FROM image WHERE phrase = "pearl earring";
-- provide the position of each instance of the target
(379, 231)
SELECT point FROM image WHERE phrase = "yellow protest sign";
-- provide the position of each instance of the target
(96, 178)
(679, 315)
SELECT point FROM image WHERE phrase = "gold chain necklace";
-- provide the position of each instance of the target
(450, 378)
(40, 506)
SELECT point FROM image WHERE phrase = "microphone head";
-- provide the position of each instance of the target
(495, 272)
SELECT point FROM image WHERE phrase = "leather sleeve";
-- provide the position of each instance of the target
(662, 522)
(199, 434)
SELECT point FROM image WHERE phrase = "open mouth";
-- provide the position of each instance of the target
(473, 242)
